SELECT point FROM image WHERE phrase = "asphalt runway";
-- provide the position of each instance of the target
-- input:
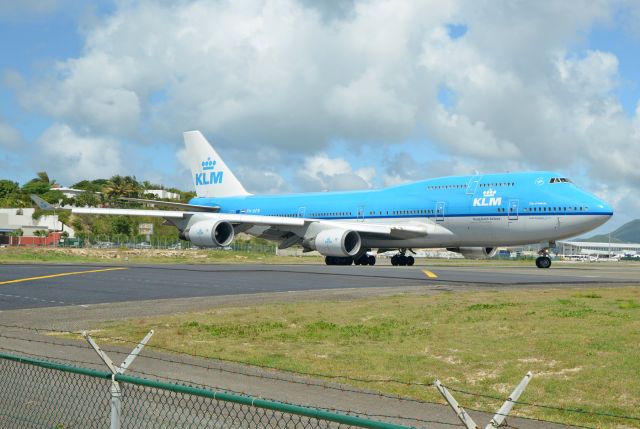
(37, 286)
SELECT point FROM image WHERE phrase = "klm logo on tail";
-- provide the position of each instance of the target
(488, 199)
(208, 176)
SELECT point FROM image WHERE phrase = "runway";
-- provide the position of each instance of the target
(25, 286)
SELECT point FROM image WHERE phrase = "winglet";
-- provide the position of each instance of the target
(41, 203)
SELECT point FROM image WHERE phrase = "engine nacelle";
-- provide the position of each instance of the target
(210, 233)
(336, 242)
(474, 252)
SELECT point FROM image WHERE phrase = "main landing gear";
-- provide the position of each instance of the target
(544, 261)
(402, 260)
(363, 259)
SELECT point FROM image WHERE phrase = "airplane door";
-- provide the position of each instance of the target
(473, 185)
(440, 211)
(301, 211)
(513, 209)
(361, 214)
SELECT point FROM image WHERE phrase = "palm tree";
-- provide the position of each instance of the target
(119, 186)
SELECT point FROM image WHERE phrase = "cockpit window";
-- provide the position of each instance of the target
(560, 180)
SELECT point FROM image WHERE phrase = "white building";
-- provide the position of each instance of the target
(163, 194)
(597, 249)
(13, 219)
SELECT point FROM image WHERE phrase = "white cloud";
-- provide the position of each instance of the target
(294, 77)
(322, 173)
(77, 157)
(10, 138)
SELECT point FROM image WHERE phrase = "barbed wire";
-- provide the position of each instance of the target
(551, 407)
(302, 373)
(227, 390)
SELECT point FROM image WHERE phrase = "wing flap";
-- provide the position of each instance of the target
(186, 207)
(129, 212)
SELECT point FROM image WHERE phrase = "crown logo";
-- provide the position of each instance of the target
(489, 193)
(208, 164)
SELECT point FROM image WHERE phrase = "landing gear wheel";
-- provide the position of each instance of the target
(410, 261)
(395, 260)
(372, 260)
(543, 262)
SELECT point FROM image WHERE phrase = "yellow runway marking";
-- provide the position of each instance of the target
(430, 274)
(28, 279)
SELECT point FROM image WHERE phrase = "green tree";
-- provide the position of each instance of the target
(87, 185)
(8, 188)
(35, 187)
(44, 178)
(87, 198)
(54, 197)
(121, 225)
(122, 186)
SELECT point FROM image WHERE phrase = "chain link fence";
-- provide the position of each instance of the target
(115, 242)
(42, 394)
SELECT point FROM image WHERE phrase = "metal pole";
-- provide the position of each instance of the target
(502, 413)
(460, 412)
(116, 392)
(116, 404)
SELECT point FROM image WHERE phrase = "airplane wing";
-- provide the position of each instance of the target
(182, 206)
(275, 226)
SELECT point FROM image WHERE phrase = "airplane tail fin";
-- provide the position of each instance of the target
(211, 176)
(42, 204)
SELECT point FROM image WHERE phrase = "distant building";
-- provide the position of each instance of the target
(597, 249)
(22, 218)
(68, 192)
(163, 194)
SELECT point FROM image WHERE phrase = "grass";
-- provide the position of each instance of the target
(10, 255)
(36, 255)
(583, 346)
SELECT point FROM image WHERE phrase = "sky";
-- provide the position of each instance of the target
(300, 95)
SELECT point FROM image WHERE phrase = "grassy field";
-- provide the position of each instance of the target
(582, 345)
(10, 255)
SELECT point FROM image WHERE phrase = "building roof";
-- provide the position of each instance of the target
(594, 245)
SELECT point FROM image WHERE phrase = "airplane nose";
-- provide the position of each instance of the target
(602, 208)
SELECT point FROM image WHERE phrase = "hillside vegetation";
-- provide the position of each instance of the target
(97, 193)
(627, 233)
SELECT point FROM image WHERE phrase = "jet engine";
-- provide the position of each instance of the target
(335, 242)
(208, 233)
(474, 252)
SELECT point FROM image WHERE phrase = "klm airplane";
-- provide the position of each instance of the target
(471, 215)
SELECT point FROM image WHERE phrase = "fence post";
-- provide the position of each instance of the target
(498, 418)
(116, 392)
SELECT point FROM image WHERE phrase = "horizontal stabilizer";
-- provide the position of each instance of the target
(42, 204)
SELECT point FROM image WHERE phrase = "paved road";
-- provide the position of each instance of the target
(78, 297)
(36, 286)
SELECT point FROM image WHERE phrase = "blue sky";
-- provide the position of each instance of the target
(310, 103)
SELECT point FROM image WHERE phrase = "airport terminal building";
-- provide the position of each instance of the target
(598, 249)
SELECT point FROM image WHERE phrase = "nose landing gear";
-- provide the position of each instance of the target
(544, 261)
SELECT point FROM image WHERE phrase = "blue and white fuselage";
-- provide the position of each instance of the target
(459, 211)
(468, 214)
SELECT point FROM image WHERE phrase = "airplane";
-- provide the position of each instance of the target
(472, 215)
